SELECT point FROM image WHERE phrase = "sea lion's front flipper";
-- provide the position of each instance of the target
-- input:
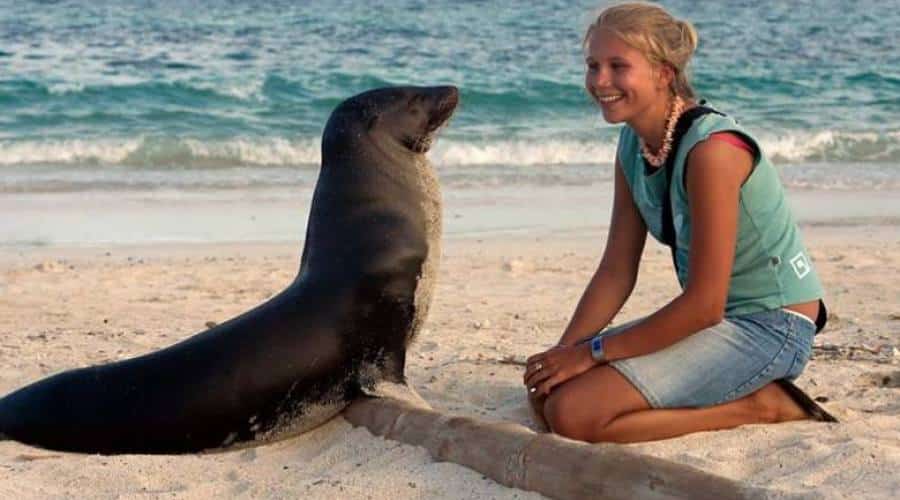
(812, 408)
(401, 391)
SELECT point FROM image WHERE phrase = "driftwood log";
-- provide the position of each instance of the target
(516, 456)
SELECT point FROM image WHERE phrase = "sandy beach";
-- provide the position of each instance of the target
(502, 295)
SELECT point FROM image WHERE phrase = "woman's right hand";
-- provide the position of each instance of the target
(548, 369)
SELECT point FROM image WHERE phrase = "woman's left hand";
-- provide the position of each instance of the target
(546, 370)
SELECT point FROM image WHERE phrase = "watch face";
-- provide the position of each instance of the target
(597, 348)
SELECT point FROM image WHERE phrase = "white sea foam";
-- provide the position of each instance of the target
(162, 152)
(523, 153)
(830, 145)
(63, 88)
(65, 152)
(76, 84)
(795, 147)
(275, 151)
(281, 151)
(245, 90)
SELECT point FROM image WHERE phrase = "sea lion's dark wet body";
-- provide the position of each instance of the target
(290, 364)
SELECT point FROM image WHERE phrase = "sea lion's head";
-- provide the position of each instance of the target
(396, 120)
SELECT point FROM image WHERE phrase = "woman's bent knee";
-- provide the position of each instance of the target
(582, 407)
(567, 416)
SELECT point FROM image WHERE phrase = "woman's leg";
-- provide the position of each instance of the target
(602, 405)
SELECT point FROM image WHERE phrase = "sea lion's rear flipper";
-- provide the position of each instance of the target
(812, 408)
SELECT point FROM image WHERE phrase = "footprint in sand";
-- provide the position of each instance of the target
(428, 346)
(883, 379)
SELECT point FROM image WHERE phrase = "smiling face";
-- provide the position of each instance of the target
(624, 83)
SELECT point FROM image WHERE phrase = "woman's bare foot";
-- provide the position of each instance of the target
(775, 405)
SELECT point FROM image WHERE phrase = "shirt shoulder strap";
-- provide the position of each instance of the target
(681, 127)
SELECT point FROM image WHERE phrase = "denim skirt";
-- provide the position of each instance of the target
(722, 363)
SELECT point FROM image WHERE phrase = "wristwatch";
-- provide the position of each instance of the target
(597, 349)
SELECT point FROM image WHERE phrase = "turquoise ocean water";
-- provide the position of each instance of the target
(217, 94)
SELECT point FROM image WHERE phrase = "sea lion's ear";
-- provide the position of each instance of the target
(371, 121)
(369, 116)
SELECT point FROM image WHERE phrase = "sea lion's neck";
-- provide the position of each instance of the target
(365, 191)
(377, 162)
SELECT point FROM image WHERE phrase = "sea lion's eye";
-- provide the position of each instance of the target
(409, 141)
(414, 101)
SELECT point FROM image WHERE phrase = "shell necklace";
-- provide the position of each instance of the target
(658, 159)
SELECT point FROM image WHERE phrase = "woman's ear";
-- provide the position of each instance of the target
(665, 76)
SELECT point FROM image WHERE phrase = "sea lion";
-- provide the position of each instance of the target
(342, 326)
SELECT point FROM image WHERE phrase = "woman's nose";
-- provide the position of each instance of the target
(599, 77)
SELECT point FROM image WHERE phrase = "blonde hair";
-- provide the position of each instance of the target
(663, 39)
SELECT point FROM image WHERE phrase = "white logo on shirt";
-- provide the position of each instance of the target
(801, 265)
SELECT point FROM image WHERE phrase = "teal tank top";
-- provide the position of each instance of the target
(771, 267)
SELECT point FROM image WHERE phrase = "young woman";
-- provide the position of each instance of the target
(746, 316)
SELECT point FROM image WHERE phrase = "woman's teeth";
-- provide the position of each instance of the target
(609, 98)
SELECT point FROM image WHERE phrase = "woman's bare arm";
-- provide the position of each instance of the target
(615, 277)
